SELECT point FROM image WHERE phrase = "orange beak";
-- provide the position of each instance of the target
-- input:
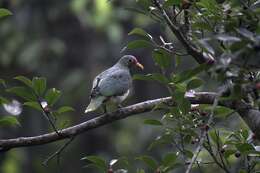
(139, 65)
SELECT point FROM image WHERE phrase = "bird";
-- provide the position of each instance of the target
(113, 84)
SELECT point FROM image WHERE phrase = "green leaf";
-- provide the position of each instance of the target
(34, 105)
(169, 3)
(184, 106)
(2, 82)
(162, 58)
(194, 83)
(64, 109)
(178, 95)
(4, 12)
(188, 153)
(188, 74)
(9, 121)
(23, 92)
(39, 85)
(161, 140)
(140, 32)
(229, 152)
(138, 44)
(140, 171)
(152, 77)
(97, 161)
(24, 80)
(169, 159)
(153, 122)
(245, 147)
(149, 161)
(52, 96)
(3, 100)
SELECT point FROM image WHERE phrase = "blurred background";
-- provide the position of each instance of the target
(70, 42)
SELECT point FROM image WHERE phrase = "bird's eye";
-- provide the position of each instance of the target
(129, 60)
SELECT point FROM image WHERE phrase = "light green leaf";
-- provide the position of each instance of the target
(138, 44)
(64, 109)
(245, 147)
(24, 80)
(140, 32)
(3, 100)
(23, 92)
(188, 74)
(2, 82)
(97, 161)
(152, 77)
(4, 12)
(149, 161)
(39, 85)
(169, 3)
(194, 83)
(184, 106)
(162, 58)
(9, 121)
(34, 105)
(52, 96)
(153, 122)
(169, 159)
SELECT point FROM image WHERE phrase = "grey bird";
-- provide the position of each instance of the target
(112, 84)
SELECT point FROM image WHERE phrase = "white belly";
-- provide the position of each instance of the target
(119, 99)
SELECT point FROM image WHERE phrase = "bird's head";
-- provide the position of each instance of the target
(129, 61)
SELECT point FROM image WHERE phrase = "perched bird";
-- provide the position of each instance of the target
(112, 84)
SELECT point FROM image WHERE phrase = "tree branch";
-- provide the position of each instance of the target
(250, 115)
(200, 56)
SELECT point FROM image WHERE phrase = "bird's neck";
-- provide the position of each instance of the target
(121, 66)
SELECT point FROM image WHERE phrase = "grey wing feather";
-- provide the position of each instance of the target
(116, 83)
(112, 82)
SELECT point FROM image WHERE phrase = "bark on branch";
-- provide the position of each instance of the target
(200, 56)
(250, 115)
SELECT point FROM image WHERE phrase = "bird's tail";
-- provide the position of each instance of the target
(95, 103)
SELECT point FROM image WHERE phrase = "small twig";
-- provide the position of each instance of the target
(203, 136)
(46, 113)
(58, 152)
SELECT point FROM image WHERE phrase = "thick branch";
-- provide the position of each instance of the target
(251, 117)
(198, 55)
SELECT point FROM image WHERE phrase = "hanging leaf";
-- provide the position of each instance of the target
(23, 92)
(188, 74)
(2, 82)
(52, 96)
(152, 77)
(34, 105)
(169, 159)
(97, 161)
(184, 106)
(9, 121)
(169, 3)
(162, 58)
(140, 32)
(194, 83)
(4, 12)
(149, 161)
(39, 85)
(24, 80)
(64, 109)
(138, 44)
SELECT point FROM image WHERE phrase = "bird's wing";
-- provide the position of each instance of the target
(115, 83)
